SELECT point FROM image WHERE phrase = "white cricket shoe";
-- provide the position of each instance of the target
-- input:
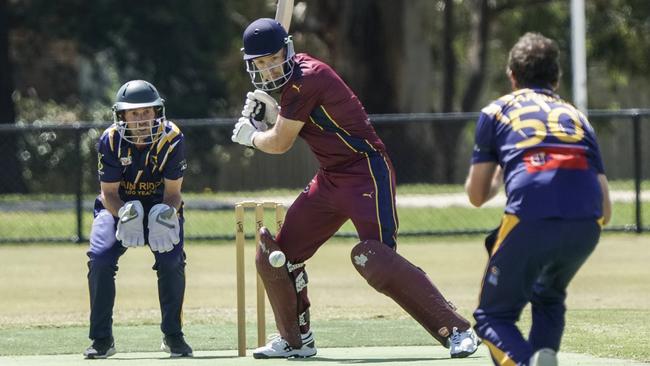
(543, 357)
(463, 344)
(279, 348)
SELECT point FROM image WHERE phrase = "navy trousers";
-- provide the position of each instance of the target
(530, 261)
(104, 253)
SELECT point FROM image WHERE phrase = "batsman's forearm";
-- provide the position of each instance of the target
(270, 142)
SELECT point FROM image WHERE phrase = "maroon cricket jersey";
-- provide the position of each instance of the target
(337, 128)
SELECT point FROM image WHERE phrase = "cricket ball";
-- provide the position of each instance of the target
(277, 259)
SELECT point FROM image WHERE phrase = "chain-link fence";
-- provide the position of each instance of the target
(49, 179)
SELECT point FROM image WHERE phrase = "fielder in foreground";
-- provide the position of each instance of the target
(558, 199)
(141, 163)
(355, 181)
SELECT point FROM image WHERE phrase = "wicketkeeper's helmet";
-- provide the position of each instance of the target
(139, 94)
(265, 37)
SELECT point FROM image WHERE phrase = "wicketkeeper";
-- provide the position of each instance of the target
(140, 164)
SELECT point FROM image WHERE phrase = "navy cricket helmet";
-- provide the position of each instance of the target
(265, 37)
(136, 94)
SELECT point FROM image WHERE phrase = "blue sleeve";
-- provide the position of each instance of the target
(485, 149)
(597, 161)
(594, 156)
(176, 164)
(109, 168)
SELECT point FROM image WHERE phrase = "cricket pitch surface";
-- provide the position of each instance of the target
(367, 356)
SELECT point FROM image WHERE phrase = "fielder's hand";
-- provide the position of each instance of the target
(129, 226)
(261, 107)
(164, 228)
(244, 132)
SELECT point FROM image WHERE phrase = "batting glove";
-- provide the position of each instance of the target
(164, 228)
(261, 107)
(244, 132)
(130, 230)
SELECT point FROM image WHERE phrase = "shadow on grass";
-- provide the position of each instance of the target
(170, 359)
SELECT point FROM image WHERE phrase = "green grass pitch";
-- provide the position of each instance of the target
(44, 307)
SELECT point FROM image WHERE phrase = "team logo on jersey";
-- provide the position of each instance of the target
(126, 161)
(538, 159)
(551, 158)
(493, 276)
(297, 87)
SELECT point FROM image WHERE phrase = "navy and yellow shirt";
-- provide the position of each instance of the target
(141, 173)
(549, 154)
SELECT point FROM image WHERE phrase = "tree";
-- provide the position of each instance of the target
(448, 134)
(382, 50)
(179, 46)
(12, 181)
(390, 53)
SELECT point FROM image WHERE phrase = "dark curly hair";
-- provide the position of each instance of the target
(534, 61)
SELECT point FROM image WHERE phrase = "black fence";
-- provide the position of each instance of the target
(49, 179)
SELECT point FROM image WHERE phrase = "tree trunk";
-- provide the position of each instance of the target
(447, 135)
(382, 50)
(477, 55)
(12, 180)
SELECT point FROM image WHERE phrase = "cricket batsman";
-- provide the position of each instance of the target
(355, 181)
(140, 165)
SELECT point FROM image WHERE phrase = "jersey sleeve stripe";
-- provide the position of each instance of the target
(111, 137)
(171, 148)
(168, 137)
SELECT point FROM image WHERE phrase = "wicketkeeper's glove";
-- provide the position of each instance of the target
(164, 228)
(130, 230)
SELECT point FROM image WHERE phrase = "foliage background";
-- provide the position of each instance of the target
(62, 62)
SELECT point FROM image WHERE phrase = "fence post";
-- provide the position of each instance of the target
(636, 135)
(79, 182)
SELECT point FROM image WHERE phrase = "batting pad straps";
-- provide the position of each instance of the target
(299, 275)
(280, 290)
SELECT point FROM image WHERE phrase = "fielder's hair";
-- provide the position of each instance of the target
(534, 61)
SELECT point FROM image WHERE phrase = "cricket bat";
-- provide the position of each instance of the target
(283, 13)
